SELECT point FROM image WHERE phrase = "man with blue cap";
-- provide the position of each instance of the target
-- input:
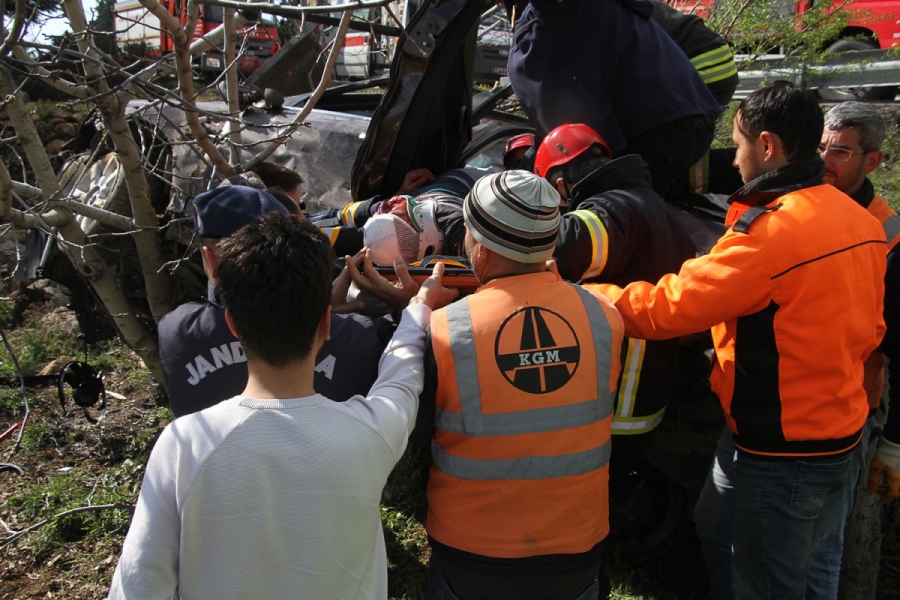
(203, 362)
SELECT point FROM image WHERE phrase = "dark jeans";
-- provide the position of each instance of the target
(774, 529)
(672, 149)
(446, 581)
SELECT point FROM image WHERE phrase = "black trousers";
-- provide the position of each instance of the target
(448, 580)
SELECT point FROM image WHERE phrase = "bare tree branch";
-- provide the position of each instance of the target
(210, 40)
(98, 214)
(181, 41)
(12, 38)
(336, 46)
(77, 91)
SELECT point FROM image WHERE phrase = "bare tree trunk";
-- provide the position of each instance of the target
(232, 131)
(83, 255)
(112, 108)
(27, 135)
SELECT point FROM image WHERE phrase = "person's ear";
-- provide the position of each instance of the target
(771, 146)
(230, 323)
(561, 188)
(325, 325)
(210, 263)
(872, 160)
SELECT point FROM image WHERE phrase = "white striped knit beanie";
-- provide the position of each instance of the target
(515, 214)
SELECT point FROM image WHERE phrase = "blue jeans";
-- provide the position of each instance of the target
(714, 516)
(788, 521)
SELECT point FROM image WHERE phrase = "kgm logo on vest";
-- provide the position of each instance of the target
(537, 350)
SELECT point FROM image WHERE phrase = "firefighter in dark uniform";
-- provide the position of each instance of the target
(609, 65)
(617, 229)
(203, 362)
(707, 50)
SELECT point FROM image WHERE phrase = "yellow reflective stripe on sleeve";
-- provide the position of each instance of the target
(331, 233)
(348, 214)
(599, 242)
(636, 425)
(631, 376)
(713, 57)
(718, 74)
(715, 65)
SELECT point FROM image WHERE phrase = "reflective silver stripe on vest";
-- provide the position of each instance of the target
(528, 467)
(892, 227)
(472, 422)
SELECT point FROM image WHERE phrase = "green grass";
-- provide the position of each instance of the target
(74, 489)
(886, 178)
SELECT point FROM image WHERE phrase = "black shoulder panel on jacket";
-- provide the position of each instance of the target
(743, 224)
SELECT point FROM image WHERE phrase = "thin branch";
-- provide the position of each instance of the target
(15, 33)
(336, 46)
(21, 375)
(73, 511)
(98, 214)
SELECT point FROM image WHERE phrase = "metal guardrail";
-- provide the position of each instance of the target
(868, 68)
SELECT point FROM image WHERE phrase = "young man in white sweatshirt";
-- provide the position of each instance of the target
(275, 493)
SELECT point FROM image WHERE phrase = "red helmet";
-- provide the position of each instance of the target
(523, 140)
(565, 143)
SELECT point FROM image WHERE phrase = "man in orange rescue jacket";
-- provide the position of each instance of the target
(793, 293)
(520, 379)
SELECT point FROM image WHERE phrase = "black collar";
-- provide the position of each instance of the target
(627, 172)
(865, 194)
(774, 184)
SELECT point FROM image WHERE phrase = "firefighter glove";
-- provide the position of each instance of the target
(884, 473)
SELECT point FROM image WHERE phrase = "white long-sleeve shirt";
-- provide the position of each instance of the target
(275, 498)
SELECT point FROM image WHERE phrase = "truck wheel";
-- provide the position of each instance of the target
(860, 93)
(647, 512)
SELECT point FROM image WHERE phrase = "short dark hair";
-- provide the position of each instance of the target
(579, 167)
(286, 201)
(276, 284)
(787, 111)
(277, 175)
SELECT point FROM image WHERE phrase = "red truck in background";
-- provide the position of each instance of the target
(871, 25)
(877, 25)
(138, 31)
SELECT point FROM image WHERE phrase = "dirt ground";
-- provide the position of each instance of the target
(71, 559)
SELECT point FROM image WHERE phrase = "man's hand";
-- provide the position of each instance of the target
(414, 180)
(341, 285)
(884, 473)
(432, 293)
(397, 293)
